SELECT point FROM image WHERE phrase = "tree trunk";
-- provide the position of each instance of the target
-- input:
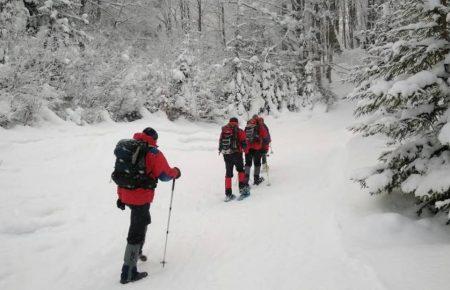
(82, 7)
(199, 21)
(352, 22)
(329, 69)
(185, 15)
(31, 7)
(98, 15)
(443, 22)
(237, 29)
(222, 22)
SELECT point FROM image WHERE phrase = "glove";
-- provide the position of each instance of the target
(178, 172)
(120, 204)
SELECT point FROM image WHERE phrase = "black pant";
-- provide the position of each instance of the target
(139, 220)
(253, 156)
(232, 160)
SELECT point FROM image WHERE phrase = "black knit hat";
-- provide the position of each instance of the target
(151, 132)
(234, 119)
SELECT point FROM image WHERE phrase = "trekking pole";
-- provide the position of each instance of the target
(267, 171)
(163, 262)
(266, 167)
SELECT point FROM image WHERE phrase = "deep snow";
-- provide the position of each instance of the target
(312, 229)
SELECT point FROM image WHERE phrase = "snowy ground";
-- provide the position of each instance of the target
(312, 229)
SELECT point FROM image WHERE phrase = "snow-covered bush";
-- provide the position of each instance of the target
(181, 98)
(25, 109)
(5, 111)
(402, 95)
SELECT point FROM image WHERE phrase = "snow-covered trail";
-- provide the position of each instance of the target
(60, 228)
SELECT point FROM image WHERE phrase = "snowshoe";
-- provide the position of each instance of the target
(245, 192)
(243, 196)
(230, 197)
(258, 180)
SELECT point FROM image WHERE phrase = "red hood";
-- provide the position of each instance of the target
(146, 138)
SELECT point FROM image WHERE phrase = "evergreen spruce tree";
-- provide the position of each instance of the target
(402, 95)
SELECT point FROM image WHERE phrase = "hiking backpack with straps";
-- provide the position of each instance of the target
(252, 132)
(229, 140)
(130, 168)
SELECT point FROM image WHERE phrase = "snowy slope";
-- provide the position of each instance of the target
(312, 229)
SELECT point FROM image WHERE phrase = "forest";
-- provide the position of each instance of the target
(89, 60)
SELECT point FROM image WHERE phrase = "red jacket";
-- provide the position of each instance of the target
(268, 140)
(242, 139)
(264, 138)
(156, 166)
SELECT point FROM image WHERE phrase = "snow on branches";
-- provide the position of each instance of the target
(403, 93)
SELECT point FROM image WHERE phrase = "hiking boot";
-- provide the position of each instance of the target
(258, 180)
(245, 190)
(229, 197)
(131, 276)
(129, 270)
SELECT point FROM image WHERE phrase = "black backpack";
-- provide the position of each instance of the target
(229, 140)
(130, 169)
(252, 132)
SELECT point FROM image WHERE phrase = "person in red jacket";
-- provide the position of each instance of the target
(232, 144)
(138, 200)
(258, 139)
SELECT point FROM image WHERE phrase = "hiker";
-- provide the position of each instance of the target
(258, 139)
(139, 197)
(232, 144)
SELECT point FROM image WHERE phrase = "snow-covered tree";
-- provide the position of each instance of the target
(402, 95)
(248, 56)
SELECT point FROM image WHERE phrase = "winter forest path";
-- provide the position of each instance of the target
(312, 229)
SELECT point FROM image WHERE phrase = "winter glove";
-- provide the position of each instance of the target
(178, 172)
(120, 204)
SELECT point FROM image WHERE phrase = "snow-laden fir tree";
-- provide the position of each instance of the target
(403, 95)
(268, 89)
